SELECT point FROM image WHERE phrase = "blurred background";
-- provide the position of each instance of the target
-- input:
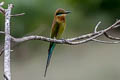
(88, 61)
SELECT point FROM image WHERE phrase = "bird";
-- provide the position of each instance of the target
(58, 27)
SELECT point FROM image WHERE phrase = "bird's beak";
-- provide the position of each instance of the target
(67, 12)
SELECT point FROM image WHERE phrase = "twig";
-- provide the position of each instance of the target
(1, 52)
(2, 3)
(21, 14)
(106, 42)
(7, 73)
(96, 27)
(101, 41)
(111, 37)
(1, 32)
(2, 10)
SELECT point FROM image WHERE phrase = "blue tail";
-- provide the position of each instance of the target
(50, 50)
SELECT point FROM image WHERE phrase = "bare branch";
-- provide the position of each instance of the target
(2, 3)
(101, 41)
(96, 27)
(66, 41)
(1, 52)
(7, 73)
(2, 10)
(72, 41)
(1, 32)
(106, 42)
(21, 14)
(111, 37)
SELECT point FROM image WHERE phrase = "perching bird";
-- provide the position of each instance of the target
(58, 27)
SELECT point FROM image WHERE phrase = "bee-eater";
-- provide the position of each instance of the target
(58, 27)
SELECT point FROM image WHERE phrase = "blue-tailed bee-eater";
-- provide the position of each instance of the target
(58, 26)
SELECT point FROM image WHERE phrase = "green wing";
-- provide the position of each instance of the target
(55, 28)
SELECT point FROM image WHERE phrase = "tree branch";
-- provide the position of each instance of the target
(108, 42)
(7, 73)
(111, 37)
(2, 10)
(20, 14)
(1, 32)
(72, 41)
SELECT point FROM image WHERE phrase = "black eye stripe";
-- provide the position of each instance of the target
(58, 13)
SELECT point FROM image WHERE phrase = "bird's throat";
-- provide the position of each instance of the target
(60, 19)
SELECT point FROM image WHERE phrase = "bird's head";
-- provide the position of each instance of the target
(60, 15)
